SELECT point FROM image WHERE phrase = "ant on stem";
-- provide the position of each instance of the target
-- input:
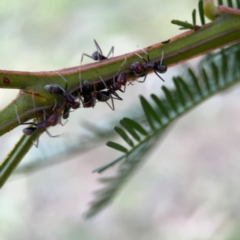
(141, 69)
(121, 79)
(57, 89)
(70, 100)
(96, 56)
(52, 120)
(104, 96)
(88, 95)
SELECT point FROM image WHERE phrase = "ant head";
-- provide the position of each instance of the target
(86, 84)
(54, 89)
(98, 56)
(162, 68)
(49, 88)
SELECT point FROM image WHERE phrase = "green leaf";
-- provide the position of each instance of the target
(131, 130)
(194, 17)
(195, 82)
(116, 146)
(179, 92)
(170, 99)
(201, 12)
(124, 136)
(149, 112)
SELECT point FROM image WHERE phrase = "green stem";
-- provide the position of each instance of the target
(224, 30)
(15, 156)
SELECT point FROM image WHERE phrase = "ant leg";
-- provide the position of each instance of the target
(161, 60)
(50, 135)
(80, 77)
(99, 50)
(55, 104)
(94, 96)
(116, 96)
(148, 59)
(34, 105)
(142, 81)
(159, 75)
(37, 143)
(141, 57)
(16, 111)
(64, 79)
(112, 107)
(80, 73)
(111, 51)
(124, 89)
(85, 54)
(102, 81)
(44, 115)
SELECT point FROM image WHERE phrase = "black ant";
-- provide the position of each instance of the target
(52, 120)
(87, 94)
(98, 55)
(121, 79)
(141, 69)
(70, 100)
(57, 89)
(104, 96)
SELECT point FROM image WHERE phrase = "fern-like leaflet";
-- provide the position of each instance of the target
(216, 73)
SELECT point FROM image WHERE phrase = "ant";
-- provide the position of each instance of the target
(98, 55)
(121, 79)
(70, 100)
(52, 120)
(104, 96)
(88, 95)
(57, 89)
(140, 69)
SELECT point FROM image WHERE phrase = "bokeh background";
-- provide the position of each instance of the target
(188, 188)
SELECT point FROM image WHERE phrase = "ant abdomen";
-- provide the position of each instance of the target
(29, 130)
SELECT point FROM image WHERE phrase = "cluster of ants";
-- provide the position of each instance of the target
(88, 96)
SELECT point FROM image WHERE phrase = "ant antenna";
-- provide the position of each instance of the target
(161, 60)
(64, 79)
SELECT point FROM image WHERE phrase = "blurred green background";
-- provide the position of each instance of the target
(189, 187)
